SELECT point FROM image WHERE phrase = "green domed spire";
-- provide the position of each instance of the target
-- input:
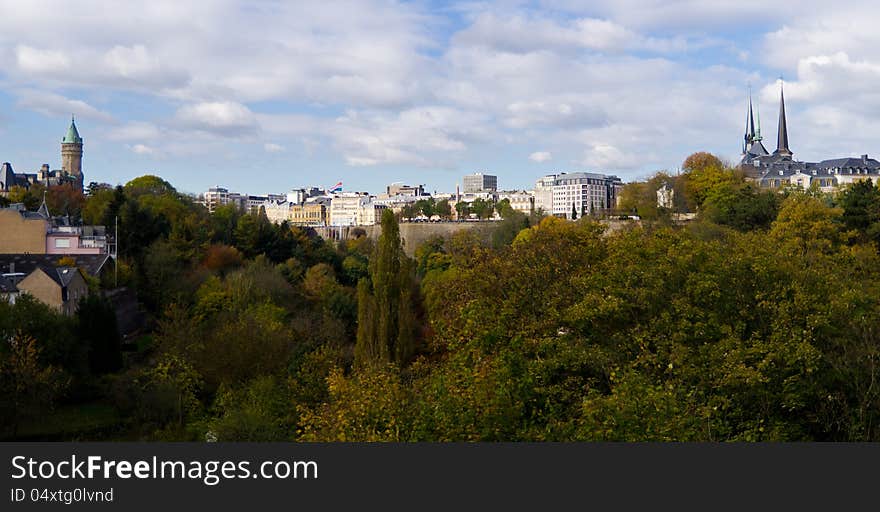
(72, 136)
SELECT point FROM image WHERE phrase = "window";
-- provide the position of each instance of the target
(62, 243)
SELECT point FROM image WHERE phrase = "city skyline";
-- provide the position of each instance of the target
(264, 97)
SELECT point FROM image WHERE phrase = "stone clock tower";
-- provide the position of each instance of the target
(72, 153)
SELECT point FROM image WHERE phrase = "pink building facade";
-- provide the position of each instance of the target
(72, 240)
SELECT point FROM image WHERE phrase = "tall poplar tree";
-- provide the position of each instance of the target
(387, 324)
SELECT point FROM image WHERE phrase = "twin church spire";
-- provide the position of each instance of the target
(752, 145)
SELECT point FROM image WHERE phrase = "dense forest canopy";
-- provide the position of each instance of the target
(759, 320)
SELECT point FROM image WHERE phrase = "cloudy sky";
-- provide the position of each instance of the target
(265, 96)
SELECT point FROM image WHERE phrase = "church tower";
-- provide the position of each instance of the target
(782, 149)
(71, 153)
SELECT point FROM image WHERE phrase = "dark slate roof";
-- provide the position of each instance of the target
(91, 263)
(856, 163)
(757, 149)
(61, 275)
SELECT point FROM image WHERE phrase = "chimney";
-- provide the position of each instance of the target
(864, 159)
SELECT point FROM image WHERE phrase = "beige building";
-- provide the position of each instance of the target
(520, 200)
(306, 214)
(370, 213)
(22, 232)
(59, 287)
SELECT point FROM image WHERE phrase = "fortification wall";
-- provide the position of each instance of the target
(414, 233)
(411, 233)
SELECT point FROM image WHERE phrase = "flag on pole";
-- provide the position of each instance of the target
(336, 188)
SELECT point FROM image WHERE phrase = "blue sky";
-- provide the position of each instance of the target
(265, 96)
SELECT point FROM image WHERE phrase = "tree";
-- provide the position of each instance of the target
(31, 196)
(444, 210)
(426, 207)
(806, 224)
(701, 173)
(861, 209)
(28, 388)
(741, 206)
(504, 209)
(148, 185)
(97, 206)
(97, 330)
(65, 199)
(482, 208)
(389, 334)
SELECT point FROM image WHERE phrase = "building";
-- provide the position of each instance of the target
(577, 193)
(49, 278)
(544, 193)
(310, 214)
(72, 154)
(520, 200)
(370, 213)
(70, 172)
(399, 189)
(779, 170)
(219, 196)
(76, 240)
(582, 193)
(59, 287)
(24, 232)
(479, 182)
(666, 197)
(345, 206)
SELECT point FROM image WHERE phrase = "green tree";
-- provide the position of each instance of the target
(28, 387)
(97, 329)
(861, 209)
(741, 206)
(444, 210)
(392, 337)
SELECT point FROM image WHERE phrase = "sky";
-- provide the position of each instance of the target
(265, 96)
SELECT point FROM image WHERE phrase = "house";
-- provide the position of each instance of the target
(58, 287)
(25, 232)
(49, 278)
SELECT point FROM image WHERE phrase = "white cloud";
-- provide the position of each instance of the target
(607, 156)
(421, 136)
(220, 117)
(271, 147)
(540, 156)
(142, 149)
(135, 130)
(55, 105)
(33, 60)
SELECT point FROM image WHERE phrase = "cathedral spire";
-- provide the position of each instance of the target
(749, 136)
(782, 135)
(758, 137)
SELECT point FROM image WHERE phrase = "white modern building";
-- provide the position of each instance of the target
(219, 196)
(580, 192)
